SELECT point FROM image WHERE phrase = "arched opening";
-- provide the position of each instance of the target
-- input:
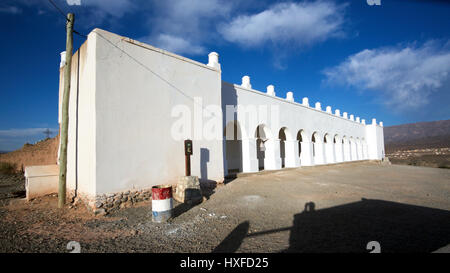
(233, 142)
(313, 140)
(345, 149)
(300, 140)
(261, 137)
(282, 137)
(329, 148)
(317, 147)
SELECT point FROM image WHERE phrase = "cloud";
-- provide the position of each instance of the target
(176, 44)
(10, 9)
(25, 132)
(298, 23)
(405, 76)
(12, 139)
(73, 2)
(185, 26)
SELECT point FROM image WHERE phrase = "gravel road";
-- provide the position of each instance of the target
(335, 208)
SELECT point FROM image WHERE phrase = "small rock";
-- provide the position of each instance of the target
(101, 212)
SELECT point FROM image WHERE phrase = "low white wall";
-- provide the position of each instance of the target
(41, 180)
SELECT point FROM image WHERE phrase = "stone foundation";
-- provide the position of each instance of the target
(110, 202)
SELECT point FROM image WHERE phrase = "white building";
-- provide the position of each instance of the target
(127, 99)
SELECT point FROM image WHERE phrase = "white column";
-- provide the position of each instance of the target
(291, 159)
(329, 151)
(338, 151)
(360, 151)
(272, 159)
(347, 151)
(249, 159)
(318, 153)
(353, 151)
(306, 157)
(365, 153)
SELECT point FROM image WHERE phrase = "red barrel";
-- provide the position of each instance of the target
(162, 203)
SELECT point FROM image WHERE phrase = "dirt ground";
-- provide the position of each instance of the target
(335, 208)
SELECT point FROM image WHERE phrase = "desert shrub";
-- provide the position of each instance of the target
(7, 168)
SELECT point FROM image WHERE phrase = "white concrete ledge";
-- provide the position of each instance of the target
(41, 180)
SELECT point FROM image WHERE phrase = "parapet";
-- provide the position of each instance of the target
(305, 101)
(213, 60)
(271, 90)
(246, 82)
(318, 107)
(290, 96)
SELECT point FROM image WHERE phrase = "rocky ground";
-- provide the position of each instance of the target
(427, 157)
(336, 208)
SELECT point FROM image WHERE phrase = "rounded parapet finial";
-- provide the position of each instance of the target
(318, 106)
(213, 60)
(345, 115)
(63, 59)
(290, 96)
(337, 112)
(352, 117)
(381, 123)
(271, 90)
(305, 101)
(246, 82)
(363, 121)
(374, 121)
(328, 109)
(357, 119)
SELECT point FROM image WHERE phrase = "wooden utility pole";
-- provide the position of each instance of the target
(65, 112)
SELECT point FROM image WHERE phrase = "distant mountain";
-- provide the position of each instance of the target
(434, 134)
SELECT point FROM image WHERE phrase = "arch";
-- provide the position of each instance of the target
(338, 148)
(282, 138)
(301, 137)
(317, 147)
(262, 134)
(328, 148)
(233, 147)
(346, 148)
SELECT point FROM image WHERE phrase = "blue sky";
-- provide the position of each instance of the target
(391, 61)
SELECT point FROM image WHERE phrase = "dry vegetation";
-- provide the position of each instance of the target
(44, 152)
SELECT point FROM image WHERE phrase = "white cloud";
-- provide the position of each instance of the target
(184, 26)
(25, 132)
(12, 139)
(10, 10)
(298, 23)
(73, 2)
(177, 45)
(406, 76)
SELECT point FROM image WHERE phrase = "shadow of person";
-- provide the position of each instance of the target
(350, 227)
(234, 240)
(309, 207)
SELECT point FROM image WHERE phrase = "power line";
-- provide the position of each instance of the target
(58, 9)
(151, 71)
(65, 17)
(131, 57)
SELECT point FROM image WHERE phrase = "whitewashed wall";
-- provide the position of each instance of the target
(134, 145)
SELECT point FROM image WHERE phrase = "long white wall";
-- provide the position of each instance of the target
(360, 141)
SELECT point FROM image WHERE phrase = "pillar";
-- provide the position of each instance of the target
(306, 157)
(291, 154)
(249, 159)
(272, 159)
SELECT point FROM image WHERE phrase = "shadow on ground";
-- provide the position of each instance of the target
(348, 228)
